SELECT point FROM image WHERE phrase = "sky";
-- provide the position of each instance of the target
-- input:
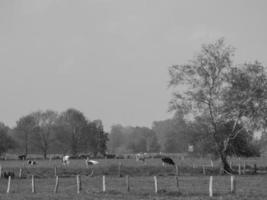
(110, 58)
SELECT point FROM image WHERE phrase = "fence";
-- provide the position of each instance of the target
(126, 184)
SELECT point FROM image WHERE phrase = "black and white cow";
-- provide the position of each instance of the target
(32, 162)
(66, 160)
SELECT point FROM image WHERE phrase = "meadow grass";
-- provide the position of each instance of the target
(191, 187)
(192, 183)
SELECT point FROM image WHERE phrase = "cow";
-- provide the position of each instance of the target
(90, 162)
(32, 162)
(167, 160)
(66, 160)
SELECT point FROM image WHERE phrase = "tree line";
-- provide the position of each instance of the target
(49, 132)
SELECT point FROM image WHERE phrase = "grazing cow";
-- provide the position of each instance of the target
(167, 160)
(32, 162)
(7, 174)
(91, 162)
(66, 160)
(22, 157)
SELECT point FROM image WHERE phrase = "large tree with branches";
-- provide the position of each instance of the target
(212, 87)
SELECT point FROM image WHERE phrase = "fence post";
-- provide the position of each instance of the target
(127, 183)
(156, 184)
(104, 184)
(8, 185)
(176, 170)
(119, 169)
(20, 173)
(204, 170)
(211, 186)
(255, 169)
(0, 171)
(33, 184)
(56, 185)
(239, 168)
(211, 164)
(177, 183)
(79, 188)
(55, 171)
(244, 167)
(233, 184)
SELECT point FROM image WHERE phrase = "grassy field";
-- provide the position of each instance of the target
(193, 184)
(45, 168)
(248, 187)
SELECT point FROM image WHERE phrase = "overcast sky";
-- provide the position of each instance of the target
(109, 59)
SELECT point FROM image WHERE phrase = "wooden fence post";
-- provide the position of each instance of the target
(20, 173)
(79, 188)
(156, 184)
(255, 169)
(239, 168)
(0, 171)
(204, 170)
(211, 164)
(177, 183)
(119, 169)
(176, 170)
(233, 184)
(104, 184)
(33, 184)
(127, 183)
(8, 185)
(56, 185)
(244, 167)
(55, 171)
(211, 186)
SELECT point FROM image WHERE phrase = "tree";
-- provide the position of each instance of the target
(23, 130)
(242, 145)
(42, 137)
(6, 142)
(143, 139)
(211, 87)
(116, 138)
(173, 134)
(69, 130)
(119, 139)
(101, 137)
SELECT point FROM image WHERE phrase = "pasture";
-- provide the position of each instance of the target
(191, 187)
(192, 183)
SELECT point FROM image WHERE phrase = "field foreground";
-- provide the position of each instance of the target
(191, 187)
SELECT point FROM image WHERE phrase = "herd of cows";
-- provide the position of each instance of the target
(66, 159)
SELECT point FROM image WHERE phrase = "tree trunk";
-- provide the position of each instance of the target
(225, 164)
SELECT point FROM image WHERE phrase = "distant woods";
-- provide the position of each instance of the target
(46, 132)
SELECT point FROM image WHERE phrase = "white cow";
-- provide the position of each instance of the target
(66, 160)
(91, 162)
